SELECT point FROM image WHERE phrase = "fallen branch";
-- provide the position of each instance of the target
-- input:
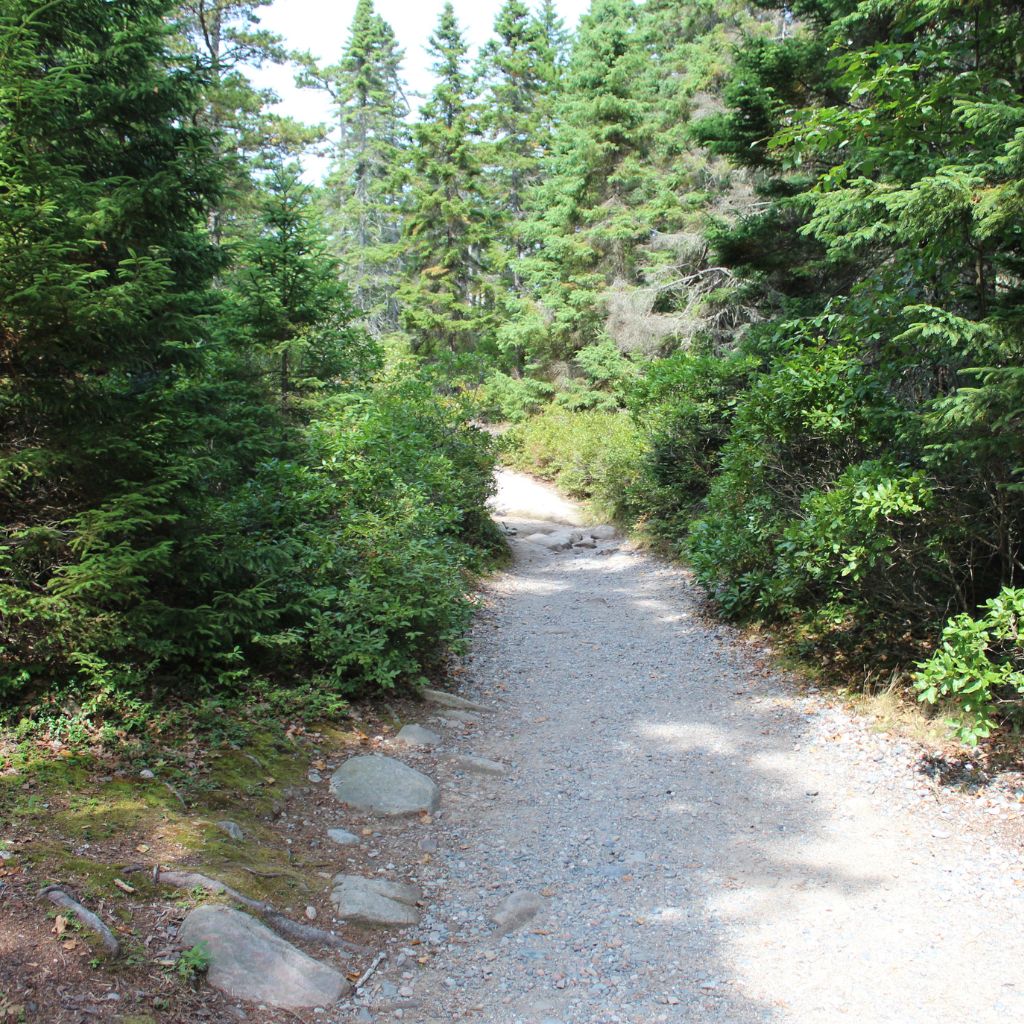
(272, 916)
(57, 894)
(368, 972)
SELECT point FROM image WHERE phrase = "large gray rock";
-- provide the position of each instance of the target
(413, 735)
(248, 961)
(382, 785)
(451, 700)
(516, 910)
(376, 901)
(603, 532)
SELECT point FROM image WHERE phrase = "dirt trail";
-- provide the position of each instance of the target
(710, 844)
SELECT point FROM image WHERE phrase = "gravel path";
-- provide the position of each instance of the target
(710, 843)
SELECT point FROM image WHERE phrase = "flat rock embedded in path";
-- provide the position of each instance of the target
(376, 901)
(382, 785)
(516, 910)
(479, 765)
(342, 836)
(414, 735)
(451, 700)
(463, 717)
(250, 962)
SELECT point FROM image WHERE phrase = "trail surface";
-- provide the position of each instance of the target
(710, 843)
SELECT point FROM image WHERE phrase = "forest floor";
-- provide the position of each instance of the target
(697, 835)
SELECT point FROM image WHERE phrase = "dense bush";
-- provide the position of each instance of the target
(208, 488)
(504, 398)
(685, 404)
(591, 455)
(979, 667)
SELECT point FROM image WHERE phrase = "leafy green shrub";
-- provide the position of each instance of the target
(979, 667)
(193, 962)
(511, 399)
(686, 404)
(575, 396)
(863, 555)
(606, 368)
(794, 431)
(591, 455)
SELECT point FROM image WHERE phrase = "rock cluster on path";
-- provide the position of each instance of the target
(375, 901)
(250, 962)
(385, 786)
(479, 765)
(566, 538)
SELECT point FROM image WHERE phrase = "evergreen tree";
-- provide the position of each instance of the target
(292, 305)
(226, 39)
(583, 221)
(518, 76)
(364, 186)
(107, 179)
(446, 298)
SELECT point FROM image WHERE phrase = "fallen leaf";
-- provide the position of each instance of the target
(124, 886)
(70, 944)
(142, 848)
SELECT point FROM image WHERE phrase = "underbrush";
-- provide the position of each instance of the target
(778, 481)
(344, 567)
(592, 455)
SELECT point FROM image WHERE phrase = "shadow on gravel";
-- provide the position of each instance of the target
(677, 787)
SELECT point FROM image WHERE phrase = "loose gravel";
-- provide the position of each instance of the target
(700, 838)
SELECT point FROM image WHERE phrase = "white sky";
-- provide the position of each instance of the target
(321, 27)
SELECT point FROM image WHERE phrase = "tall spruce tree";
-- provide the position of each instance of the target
(447, 294)
(583, 224)
(369, 163)
(107, 179)
(226, 38)
(518, 76)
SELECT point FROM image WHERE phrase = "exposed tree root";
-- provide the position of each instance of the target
(274, 918)
(57, 894)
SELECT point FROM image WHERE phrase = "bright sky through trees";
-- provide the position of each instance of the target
(322, 28)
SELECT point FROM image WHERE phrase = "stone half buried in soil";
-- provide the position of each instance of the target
(375, 901)
(514, 911)
(478, 765)
(414, 735)
(382, 785)
(249, 962)
(451, 700)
